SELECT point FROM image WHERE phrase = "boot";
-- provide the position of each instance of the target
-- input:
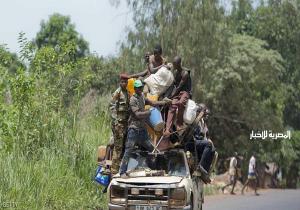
(204, 174)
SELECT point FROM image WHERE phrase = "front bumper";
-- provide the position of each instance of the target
(115, 207)
(118, 207)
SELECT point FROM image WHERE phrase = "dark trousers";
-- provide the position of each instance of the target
(138, 137)
(205, 152)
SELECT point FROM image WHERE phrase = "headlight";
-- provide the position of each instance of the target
(117, 194)
(178, 197)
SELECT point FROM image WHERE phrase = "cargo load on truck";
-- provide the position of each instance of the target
(189, 135)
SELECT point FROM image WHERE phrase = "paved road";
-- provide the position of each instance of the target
(268, 200)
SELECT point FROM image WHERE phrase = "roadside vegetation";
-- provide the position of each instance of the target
(54, 94)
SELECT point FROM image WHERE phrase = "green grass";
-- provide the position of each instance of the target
(211, 189)
(59, 174)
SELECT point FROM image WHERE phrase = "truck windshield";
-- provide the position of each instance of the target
(171, 163)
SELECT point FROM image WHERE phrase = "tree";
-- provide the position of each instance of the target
(241, 17)
(242, 99)
(193, 29)
(278, 23)
(9, 60)
(58, 31)
(229, 71)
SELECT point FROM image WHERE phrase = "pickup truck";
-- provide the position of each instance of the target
(156, 181)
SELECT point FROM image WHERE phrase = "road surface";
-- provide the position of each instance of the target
(267, 200)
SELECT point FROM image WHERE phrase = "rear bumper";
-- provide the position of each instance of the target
(117, 207)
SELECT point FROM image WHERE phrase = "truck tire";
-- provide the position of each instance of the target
(198, 205)
(192, 202)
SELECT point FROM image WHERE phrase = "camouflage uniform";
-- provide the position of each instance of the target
(119, 107)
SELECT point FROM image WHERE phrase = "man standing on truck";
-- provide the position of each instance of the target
(137, 132)
(146, 72)
(156, 61)
(153, 61)
(119, 106)
(180, 95)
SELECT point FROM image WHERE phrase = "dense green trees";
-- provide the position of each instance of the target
(248, 83)
(245, 66)
(241, 97)
(46, 153)
(278, 23)
(58, 32)
(9, 60)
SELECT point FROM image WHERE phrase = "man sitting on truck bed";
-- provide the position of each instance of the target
(137, 133)
(202, 145)
(180, 95)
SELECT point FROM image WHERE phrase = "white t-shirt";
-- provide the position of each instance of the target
(252, 165)
(232, 166)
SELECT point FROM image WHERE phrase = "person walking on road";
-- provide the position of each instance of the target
(232, 173)
(252, 175)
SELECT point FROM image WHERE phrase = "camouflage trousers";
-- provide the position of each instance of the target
(119, 131)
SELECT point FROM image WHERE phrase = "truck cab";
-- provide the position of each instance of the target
(156, 181)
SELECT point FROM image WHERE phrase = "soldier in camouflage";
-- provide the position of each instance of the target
(119, 106)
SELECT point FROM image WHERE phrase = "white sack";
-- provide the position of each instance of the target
(190, 112)
(159, 82)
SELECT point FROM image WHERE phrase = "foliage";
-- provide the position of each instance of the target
(59, 31)
(178, 26)
(9, 60)
(244, 66)
(255, 103)
(278, 23)
(249, 84)
(229, 71)
(47, 154)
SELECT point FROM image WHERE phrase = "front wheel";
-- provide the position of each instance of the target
(196, 204)
(197, 195)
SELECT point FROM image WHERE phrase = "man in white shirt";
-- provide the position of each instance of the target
(251, 175)
(232, 173)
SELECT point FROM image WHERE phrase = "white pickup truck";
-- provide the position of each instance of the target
(157, 181)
